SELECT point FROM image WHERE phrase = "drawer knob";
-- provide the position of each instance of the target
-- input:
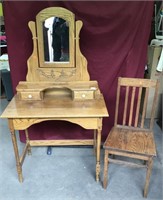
(83, 95)
(29, 96)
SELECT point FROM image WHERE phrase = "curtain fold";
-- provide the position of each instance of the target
(114, 40)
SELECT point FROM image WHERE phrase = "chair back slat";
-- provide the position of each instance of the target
(133, 94)
(138, 107)
(125, 107)
(132, 106)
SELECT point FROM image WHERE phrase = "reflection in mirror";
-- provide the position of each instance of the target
(56, 40)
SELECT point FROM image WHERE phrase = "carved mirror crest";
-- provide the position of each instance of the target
(56, 54)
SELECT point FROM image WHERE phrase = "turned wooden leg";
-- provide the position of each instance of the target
(95, 142)
(149, 170)
(98, 155)
(105, 175)
(27, 142)
(14, 141)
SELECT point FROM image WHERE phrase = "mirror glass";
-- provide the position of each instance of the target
(55, 29)
(56, 39)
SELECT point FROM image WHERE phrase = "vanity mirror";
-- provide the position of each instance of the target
(56, 53)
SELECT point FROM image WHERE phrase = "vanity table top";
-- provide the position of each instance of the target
(57, 107)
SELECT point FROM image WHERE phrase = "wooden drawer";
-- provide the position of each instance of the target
(30, 95)
(83, 95)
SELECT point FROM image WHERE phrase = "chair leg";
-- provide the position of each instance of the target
(105, 175)
(149, 170)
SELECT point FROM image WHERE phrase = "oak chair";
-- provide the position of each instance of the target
(132, 136)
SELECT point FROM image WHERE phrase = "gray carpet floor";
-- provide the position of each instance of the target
(69, 173)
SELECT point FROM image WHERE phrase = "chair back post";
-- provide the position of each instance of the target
(117, 102)
(144, 106)
(155, 101)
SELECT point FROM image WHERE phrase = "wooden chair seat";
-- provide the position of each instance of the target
(131, 140)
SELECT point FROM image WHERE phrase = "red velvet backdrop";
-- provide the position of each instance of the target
(114, 40)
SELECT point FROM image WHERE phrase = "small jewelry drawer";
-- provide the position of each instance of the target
(30, 95)
(82, 95)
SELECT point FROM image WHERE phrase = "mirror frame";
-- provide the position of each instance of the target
(41, 71)
(67, 16)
